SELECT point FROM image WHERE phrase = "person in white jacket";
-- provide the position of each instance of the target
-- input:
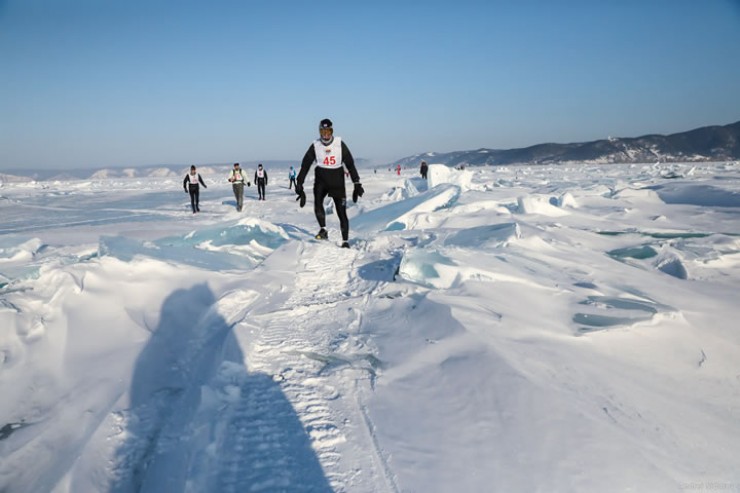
(236, 178)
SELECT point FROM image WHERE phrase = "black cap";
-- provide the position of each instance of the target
(325, 123)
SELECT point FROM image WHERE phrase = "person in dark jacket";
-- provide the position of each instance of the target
(260, 179)
(329, 152)
(191, 185)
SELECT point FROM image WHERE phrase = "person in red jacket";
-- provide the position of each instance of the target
(329, 152)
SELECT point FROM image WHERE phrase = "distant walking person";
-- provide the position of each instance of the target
(398, 169)
(191, 185)
(236, 177)
(329, 152)
(291, 176)
(260, 179)
(424, 169)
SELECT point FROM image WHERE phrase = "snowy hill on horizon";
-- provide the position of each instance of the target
(712, 143)
(706, 144)
(495, 329)
(156, 171)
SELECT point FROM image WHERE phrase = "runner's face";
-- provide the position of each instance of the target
(325, 133)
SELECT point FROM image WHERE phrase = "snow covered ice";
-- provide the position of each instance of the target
(514, 329)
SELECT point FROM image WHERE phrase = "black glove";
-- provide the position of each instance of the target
(186, 190)
(301, 198)
(358, 192)
(249, 184)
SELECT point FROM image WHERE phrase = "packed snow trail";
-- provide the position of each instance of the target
(262, 394)
(324, 369)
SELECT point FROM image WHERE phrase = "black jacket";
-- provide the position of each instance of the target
(186, 182)
(331, 177)
(257, 178)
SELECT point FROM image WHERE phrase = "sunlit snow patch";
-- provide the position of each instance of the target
(439, 174)
(429, 268)
(408, 213)
(485, 236)
(408, 190)
(535, 204)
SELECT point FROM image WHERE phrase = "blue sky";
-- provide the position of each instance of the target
(99, 83)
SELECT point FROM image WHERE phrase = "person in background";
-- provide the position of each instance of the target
(398, 169)
(329, 153)
(191, 185)
(236, 177)
(291, 176)
(260, 179)
(424, 169)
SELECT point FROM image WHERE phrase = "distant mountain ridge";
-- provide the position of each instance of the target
(711, 143)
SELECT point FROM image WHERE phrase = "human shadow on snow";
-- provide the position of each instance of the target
(199, 421)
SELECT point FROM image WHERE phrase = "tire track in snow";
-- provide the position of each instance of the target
(266, 449)
(323, 366)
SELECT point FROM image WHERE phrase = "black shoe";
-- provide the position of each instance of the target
(322, 234)
(345, 244)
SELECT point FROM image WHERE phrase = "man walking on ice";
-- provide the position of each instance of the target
(191, 185)
(329, 152)
(260, 179)
(236, 178)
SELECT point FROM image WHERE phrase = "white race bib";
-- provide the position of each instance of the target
(329, 156)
